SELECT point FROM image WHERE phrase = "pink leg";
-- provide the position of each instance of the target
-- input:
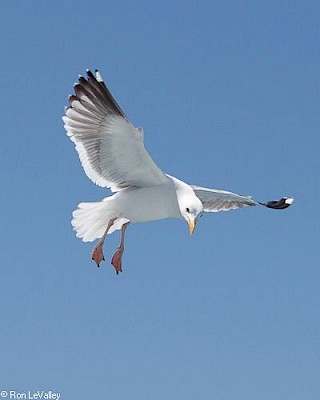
(117, 257)
(97, 253)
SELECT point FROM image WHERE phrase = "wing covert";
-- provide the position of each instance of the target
(215, 200)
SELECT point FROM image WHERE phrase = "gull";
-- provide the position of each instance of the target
(112, 153)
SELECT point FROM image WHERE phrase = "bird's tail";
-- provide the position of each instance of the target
(91, 219)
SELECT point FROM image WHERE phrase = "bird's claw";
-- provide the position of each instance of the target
(97, 255)
(116, 260)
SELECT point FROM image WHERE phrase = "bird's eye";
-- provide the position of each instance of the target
(188, 210)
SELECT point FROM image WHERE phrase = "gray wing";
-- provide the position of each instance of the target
(215, 200)
(110, 148)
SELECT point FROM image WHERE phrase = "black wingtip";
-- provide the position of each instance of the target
(82, 80)
(90, 74)
(281, 204)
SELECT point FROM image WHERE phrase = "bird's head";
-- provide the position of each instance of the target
(191, 209)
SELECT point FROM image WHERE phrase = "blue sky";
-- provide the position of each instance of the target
(228, 95)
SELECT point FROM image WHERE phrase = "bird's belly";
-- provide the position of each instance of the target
(149, 204)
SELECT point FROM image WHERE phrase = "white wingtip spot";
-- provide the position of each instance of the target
(289, 200)
(99, 76)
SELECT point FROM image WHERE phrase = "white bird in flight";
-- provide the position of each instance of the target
(113, 155)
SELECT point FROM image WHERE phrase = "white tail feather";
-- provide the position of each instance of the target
(91, 219)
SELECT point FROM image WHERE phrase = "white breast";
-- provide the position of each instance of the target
(149, 204)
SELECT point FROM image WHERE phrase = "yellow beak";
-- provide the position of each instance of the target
(192, 225)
